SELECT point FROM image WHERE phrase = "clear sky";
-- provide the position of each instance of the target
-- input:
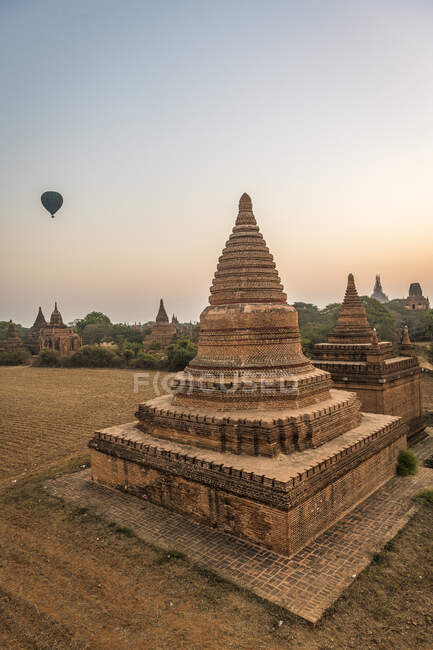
(152, 118)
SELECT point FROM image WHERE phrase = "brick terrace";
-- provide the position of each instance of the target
(307, 583)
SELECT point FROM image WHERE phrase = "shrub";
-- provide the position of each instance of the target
(155, 345)
(92, 356)
(118, 361)
(425, 496)
(180, 354)
(14, 357)
(48, 358)
(146, 360)
(407, 464)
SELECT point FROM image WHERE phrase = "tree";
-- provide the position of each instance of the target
(20, 330)
(93, 318)
(381, 318)
(428, 324)
(96, 333)
(180, 354)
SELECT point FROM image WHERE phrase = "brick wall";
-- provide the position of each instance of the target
(400, 397)
(285, 529)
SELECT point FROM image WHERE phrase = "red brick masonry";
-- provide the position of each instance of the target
(281, 503)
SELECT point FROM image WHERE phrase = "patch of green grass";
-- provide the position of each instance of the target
(407, 464)
(425, 496)
(169, 556)
(122, 530)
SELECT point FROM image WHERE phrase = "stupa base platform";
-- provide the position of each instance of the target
(305, 584)
(281, 503)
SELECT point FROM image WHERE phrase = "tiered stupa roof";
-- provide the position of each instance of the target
(56, 319)
(11, 341)
(246, 270)
(250, 361)
(33, 339)
(352, 325)
(352, 337)
(161, 316)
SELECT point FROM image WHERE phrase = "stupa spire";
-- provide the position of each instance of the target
(161, 316)
(248, 332)
(39, 321)
(56, 319)
(246, 270)
(352, 324)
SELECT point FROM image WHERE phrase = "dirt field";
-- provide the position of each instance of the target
(69, 579)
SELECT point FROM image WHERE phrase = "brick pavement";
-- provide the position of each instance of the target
(308, 582)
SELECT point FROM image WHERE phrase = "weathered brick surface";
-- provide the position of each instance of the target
(282, 513)
(306, 583)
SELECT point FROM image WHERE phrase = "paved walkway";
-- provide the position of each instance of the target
(306, 583)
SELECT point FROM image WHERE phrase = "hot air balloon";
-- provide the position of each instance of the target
(52, 201)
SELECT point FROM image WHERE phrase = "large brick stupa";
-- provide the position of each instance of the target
(357, 360)
(253, 440)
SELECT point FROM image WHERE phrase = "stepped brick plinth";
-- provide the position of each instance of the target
(59, 337)
(34, 337)
(358, 361)
(253, 439)
(12, 341)
(163, 331)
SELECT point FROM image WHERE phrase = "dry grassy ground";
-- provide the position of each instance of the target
(69, 579)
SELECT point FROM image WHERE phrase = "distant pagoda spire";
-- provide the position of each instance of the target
(378, 285)
(246, 271)
(33, 339)
(39, 321)
(161, 316)
(352, 324)
(378, 293)
(56, 319)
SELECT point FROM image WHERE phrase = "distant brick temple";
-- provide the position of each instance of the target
(33, 341)
(378, 293)
(415, 299)
(163, 331)
(358, 361)
(58, 336)
(252, 440)
(12, 341)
